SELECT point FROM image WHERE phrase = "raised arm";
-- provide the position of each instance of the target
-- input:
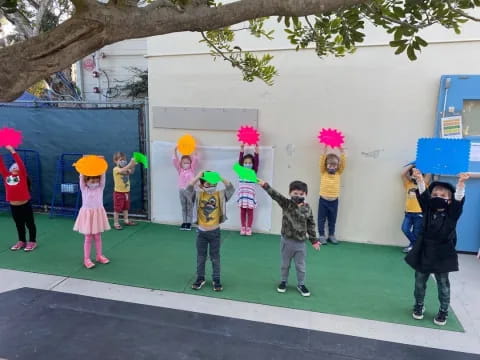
(229, 189)
(128, 169)
(21, 166)
(241, 154)
(343, 161)
(405, 172)
(81, 182)
(256, 157)
(103, 181)
(175, 160)
(423, 195)
(275, 195)
(456, 207)
(3, 169)
(194, 163)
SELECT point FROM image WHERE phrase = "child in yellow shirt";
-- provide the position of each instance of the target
(413, 220)
(331, 169)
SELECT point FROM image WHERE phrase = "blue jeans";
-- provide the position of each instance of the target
(327, 210)
(412, 226)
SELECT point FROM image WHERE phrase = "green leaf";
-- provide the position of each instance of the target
(411, 53)
(422, 42)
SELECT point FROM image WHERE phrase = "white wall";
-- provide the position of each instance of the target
(114, 66)
(382, 102)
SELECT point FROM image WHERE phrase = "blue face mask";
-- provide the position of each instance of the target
(248, 166)
(122, 163)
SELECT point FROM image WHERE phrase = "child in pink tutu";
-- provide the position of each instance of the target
(92, 218)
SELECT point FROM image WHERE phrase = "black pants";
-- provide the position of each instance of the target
(23, 216)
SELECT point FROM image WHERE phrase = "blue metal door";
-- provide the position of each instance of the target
(460, 96)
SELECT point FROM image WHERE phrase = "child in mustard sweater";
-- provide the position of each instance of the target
(331, 169)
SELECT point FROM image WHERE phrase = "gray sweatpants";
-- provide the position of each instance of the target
(187, 200)
(298, 251)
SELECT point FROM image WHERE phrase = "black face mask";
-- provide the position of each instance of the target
(332, 171)
(298, 199)
(437, 203)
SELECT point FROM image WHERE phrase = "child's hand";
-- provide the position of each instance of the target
(317, 245)
(417, 175)
(261, 182)
(463, 177)
(10, 148)
(242, 147)
(257, 148)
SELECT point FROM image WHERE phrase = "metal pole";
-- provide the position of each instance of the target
(147, 149)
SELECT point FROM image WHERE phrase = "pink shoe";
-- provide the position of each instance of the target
(102, 259)
(19, 245)
(88, 263)
(243, 231)
(30, 246)
(248, 232)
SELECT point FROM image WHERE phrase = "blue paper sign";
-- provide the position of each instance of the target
(443, 156)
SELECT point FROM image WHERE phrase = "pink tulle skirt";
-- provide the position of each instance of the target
(91, 221)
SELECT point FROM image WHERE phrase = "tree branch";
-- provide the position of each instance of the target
(44, 4)
(461, 12)
(95, 25)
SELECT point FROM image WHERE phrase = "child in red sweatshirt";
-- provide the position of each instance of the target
(18, 195)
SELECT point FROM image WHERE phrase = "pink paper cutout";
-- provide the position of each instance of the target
(9, 136)
(248, 135)
(331, 137)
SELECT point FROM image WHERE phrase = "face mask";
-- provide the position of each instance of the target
(185, 166)
(93, 185)
(122, 163)
(298, 199)
(210, 190)
(332, 171)
(437, 203)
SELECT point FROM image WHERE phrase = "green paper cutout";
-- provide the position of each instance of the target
(212, 177)
(141, 159)
(245, 174)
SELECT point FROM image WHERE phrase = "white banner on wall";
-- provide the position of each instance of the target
(165, 199)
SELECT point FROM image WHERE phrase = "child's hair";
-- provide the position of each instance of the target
(298, 185)
(332, 158)
(88, 178)
(186, 157)
(249, 156)
(443, 187)
(119, 155)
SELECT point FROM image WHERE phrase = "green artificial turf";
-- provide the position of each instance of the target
(357, 280)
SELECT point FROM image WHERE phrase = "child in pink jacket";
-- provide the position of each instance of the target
(186, 167)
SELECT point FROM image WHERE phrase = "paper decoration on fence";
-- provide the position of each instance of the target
(9, 136)
(443, 156)
(212, 177)
(141, 159)
(245, 173)
(91, 165)
(248, 135)
(331, 137)
(186, 144)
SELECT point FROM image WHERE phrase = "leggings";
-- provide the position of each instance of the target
(88, 245)
(23, 216)
(246, 217)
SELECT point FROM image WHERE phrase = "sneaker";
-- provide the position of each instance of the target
(217, 286)
(188, 227)
(333, 240)
(407, 249)
(19, 245)
(441, 318)
(323, 240)
(243, 231)
(88, 263)
(102, 259)
(197, 285)
(418, 311)
(31, 245)
(248, 232)
(182, 227)
(302, 289)
(282, 287)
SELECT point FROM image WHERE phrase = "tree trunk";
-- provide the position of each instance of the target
(95, 25)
